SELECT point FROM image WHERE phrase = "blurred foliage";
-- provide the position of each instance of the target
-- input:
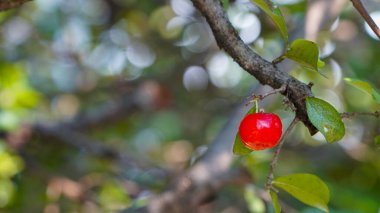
(61, 59)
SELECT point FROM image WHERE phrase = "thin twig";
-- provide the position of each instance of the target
(353, 114)
(254, 97)
(278, 59)
(277, 153)
(363, 12)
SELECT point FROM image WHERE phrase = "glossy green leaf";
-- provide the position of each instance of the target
(320, 63)
(239, 148)
(276, 205)
(362, 85)
(307, 188)
(377, 141)
(325, 118)
(305, 53)
(376, 96)
(365, 87)
(275, 14)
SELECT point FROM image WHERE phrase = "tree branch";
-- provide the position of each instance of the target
(67, 136)
(363, 12)
(353, 114)
(81, 141)
(262, 97)
(188, 196)
(69, 132)
(108, 112)
(264, 71)
(210, 170)
(10, 4)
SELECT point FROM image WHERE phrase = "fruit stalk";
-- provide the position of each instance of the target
(277, 153)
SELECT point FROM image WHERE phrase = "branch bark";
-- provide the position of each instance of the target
(353, 114)
(264, 71)
(10, 4)
(82, 142)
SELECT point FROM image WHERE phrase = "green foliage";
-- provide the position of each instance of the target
(255, 203)
(321, 63)
(276, 205)
(305, 53)
(377, 141)
(239, 148)
(7, 192)
(325, 118)
(275, 14)
(10, 165)
(17, 97)
(365, 87)
(15, 91)
(307, 188)
(226, 4)
(112, 196)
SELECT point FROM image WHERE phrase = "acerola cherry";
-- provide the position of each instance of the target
(260, 130)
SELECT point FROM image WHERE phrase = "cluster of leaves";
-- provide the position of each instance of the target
(10, 165)
(17, 97)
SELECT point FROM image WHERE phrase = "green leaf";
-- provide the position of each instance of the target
(362, 85)
(377, 141)
(275, 14)
(325, 118)
(253, 109)
(320, 63)
(239, 148)
(376, 96)
(226, 4)
(307, 188)
(305, 53)
(365, 87)
(276, 205)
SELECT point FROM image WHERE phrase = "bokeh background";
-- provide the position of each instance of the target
(104, 102)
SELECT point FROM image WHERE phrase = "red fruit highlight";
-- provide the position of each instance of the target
(260, 131)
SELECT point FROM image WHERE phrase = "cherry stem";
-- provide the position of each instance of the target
(279, 59)
(270, 177)
(256, 102)
(255, 98)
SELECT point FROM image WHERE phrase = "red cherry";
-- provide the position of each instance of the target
(260, 130)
